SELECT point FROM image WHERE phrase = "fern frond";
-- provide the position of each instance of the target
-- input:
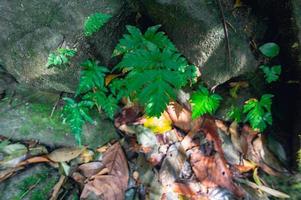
(155, 70)
(136, 40)
(108, 104)
(75, 115)
(204, 103)
(235, 114)
(92, 76)
(94, 22)
(259, 112)
(271, 74)
(60, 57)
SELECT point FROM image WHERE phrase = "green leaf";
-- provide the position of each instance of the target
(92, 77)
(154, 69)
(204, 103)
(75, 115)
(271, 73)
(94, 22)
(235, 114)
(60, 57)
(108, 104)
(270, 49)
(149, 40)
(259, 112)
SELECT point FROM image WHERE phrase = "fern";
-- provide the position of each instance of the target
(204, 103)
(259, 112)
(155, 70)
(271, 73)
(136, 40)
(94, 22)
(75, 115)
(154, 76)
(108, 103)
(235, 114)
(92, 77)
(60, 57)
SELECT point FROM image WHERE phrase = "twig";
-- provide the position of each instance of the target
(225, 30)
(57, 187)
(56, 103)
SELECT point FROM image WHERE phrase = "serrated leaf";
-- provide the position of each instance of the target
(94, 22)
(149, 40)
(60, 57)
(204, 103)
(270, 49)
(259, 112)
(76, 114)
(235, 114)
(271, 73)
(154, 69)
(92, 76)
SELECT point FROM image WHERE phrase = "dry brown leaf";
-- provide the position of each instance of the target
(172, 165)
(111, 77)
(90, 169)
(212, 171)
(113, 184)
(180, 117)
(64, 154)
(192, 190)
(264, 158)
(37, 159)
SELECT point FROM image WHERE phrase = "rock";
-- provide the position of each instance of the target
(196, 29)
(30, 30)
(7, 82)
(28, 119)
(40, 177)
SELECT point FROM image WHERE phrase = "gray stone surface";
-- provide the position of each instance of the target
(31, 29)
(196, 29)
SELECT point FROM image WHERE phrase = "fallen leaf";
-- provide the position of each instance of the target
(181, 119)
(212, 171)
(158, 125)
(192, 190)
(37, 159)
(246, 166)
(113, 184)
(172, 165)
(90, 169)
(111, 77)
(264, 158)
(15, 149)
(263, 188)
(239, 140)
(86, 156)
(64, 154)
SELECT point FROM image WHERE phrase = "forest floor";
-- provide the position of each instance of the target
(171, 157)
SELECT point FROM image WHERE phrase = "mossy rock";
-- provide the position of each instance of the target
(30, 120)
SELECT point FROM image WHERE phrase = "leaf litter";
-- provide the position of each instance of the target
(204, 158)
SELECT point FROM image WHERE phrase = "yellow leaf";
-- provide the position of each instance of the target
(237, 4)
(158, 125)
(110, 77)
